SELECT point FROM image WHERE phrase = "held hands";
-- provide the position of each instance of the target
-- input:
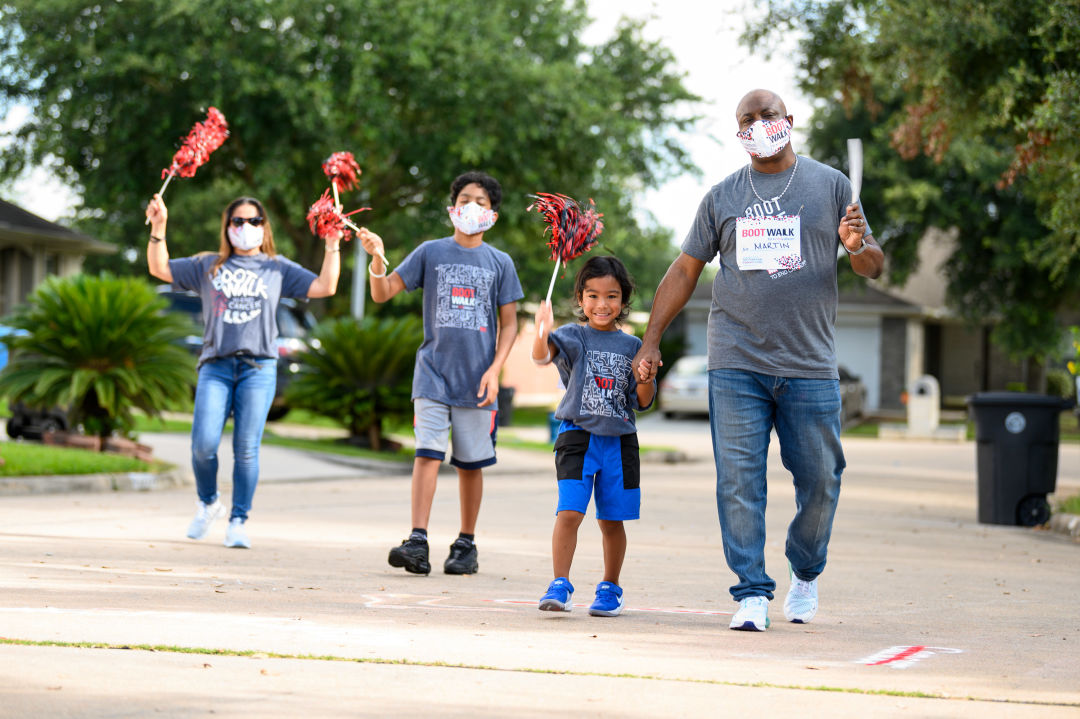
(852, 228)
(646, 364)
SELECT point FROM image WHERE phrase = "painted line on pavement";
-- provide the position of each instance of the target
(904, 657)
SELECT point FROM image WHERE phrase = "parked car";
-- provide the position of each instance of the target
(685, 387)
(294, 323)
(685, 390)
(26, 422)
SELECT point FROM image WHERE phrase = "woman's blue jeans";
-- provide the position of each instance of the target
(243, 387)
(744, 407)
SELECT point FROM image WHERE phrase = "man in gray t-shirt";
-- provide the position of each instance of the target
(775, 226)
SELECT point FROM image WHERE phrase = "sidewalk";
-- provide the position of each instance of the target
(924, 611)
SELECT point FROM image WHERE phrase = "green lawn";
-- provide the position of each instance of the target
(29, 458)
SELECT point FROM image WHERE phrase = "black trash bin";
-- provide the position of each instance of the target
(1016, 437)
(506, 406)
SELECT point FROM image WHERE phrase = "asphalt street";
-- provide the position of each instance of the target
(108, 611)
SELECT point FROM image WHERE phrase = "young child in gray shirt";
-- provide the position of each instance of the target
(596, 451)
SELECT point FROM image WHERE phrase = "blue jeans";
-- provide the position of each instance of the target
(744, 407)
(243, 387)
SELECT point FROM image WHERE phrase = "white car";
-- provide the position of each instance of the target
(685, 390)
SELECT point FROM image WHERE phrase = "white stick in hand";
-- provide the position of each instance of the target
(855, 162)
(551, 286)
(161, 192)
(349, 224)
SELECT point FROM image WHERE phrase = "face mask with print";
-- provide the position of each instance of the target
(472, 219)
(246, 237)
(765, 139)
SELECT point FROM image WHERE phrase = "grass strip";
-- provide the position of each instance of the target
(29, 459)
(254, 653)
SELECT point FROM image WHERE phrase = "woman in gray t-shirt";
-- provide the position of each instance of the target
(240, 286)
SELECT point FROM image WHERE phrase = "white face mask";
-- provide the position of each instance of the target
(765, 139)
(246, 237)
(472, 219)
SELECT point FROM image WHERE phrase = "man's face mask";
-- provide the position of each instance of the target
(472, 219)
(765, 139)
(245, 237)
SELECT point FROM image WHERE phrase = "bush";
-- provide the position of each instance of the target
(99, 347)
(1060, 383)
(359, 373)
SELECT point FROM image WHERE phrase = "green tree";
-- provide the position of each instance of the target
(359, 373)
(99, 346)
(418, 90)
(962, 103)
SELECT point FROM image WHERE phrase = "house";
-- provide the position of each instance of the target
(32, 248)
(890, 336)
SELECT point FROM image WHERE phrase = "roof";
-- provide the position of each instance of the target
(20, 227)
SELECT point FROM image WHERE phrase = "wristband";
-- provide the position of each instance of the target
(154, 238)
(372, 272)
(862, 248)
(333, 249)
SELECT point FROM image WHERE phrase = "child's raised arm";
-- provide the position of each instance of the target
(543, 349)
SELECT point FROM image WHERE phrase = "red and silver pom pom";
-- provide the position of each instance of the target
(325, 220)
(204, 138)
(342, 170)
(574, 226)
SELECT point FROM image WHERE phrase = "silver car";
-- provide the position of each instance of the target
(685, 390)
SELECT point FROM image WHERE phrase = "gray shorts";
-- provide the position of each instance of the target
(472, 438)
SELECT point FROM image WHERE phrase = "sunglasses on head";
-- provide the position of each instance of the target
(239, 221)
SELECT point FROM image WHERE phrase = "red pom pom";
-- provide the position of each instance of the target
(204, 138)
(574, 227)
(342, 170)
(324, 219)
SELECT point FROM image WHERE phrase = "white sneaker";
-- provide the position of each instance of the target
(206, 515)
(801, 603)
(236, 535)
(752, 616)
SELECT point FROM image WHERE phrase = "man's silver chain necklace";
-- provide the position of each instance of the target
(750, 175)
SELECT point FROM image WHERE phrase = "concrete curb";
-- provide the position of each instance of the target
(105, 482)
(1066, 524)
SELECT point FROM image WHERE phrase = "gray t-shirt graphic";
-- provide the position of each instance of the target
(463, 289)
(776, 322)
(595, 367)
(239, 303)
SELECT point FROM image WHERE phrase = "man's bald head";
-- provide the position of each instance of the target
(756, 104)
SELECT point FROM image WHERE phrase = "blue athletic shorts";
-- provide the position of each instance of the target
(607, 466)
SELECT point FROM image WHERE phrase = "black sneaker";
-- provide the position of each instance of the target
(462, 559)
(413, 555)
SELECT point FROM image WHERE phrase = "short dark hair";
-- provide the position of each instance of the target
(490, 184)
(605, 266)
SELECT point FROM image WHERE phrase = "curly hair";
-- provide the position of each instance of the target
(490, 184)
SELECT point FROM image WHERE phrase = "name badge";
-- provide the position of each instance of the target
(767, 243)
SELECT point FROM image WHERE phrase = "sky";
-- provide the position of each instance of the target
(703, 36)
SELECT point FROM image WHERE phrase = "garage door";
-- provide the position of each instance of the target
(858, 347)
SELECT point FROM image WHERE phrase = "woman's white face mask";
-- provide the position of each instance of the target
(246, 237)
(765, 139)
(472, 219)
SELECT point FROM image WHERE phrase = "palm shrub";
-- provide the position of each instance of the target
(359, 373)
(100, 346)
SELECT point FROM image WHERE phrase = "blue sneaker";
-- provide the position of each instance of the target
(557, 598)
(608, 602)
